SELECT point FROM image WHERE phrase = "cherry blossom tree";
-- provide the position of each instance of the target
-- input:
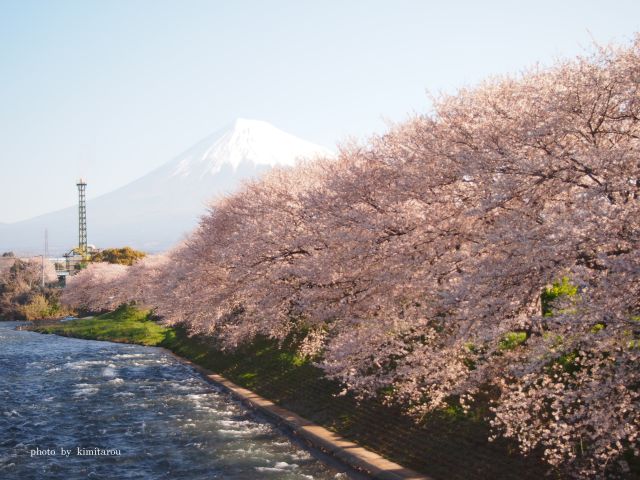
(97, 288)
(491, 246)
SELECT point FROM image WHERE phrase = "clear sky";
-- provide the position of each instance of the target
(109, 90)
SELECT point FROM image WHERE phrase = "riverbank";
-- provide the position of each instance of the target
(162, 418)
(449, 445)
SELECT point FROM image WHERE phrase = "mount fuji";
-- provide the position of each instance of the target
(155, 211)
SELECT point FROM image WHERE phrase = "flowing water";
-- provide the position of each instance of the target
(129, 412)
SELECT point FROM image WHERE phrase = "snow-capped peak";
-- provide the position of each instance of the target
(245, 141)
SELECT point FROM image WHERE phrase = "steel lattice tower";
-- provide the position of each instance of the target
(82, 218)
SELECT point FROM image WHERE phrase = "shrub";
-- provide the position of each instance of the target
(122, 256)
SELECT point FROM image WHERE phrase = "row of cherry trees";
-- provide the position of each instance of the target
(416, 263)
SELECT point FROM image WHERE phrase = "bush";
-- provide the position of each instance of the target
(37, 308)
(122, 256)
(41, 307)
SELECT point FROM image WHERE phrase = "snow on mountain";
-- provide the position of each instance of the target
(155, 211)
(253, 141)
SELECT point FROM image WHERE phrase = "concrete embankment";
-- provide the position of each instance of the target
(319, 437)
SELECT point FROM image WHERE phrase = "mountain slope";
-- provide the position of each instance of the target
(155, 211)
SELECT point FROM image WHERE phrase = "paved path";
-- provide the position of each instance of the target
(349, 452)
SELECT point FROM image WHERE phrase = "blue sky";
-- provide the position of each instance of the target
(109, 90)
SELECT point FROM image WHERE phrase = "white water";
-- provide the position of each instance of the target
(166, 421)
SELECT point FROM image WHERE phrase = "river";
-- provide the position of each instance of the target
(129, 412)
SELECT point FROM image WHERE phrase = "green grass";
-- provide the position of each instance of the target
(562, 288)
(124, 325)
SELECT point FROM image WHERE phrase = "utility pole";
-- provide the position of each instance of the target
(46, 253)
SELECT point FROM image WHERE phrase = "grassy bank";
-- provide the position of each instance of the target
(448, 445)
(124, 325)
